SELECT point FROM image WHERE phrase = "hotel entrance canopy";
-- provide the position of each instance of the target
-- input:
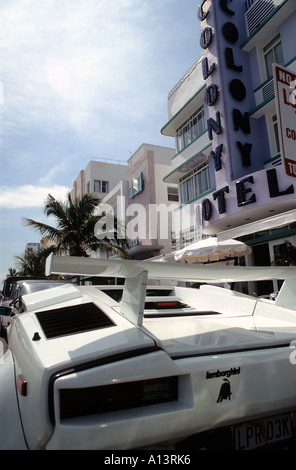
(269, 223)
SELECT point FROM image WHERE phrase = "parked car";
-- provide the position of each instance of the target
(160, 367)
(13, 302)
(5, 320)
(9, 285)
(24, 287)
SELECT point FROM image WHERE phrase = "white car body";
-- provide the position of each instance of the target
(85, 371)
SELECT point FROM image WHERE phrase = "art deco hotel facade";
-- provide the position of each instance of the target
(223, 116)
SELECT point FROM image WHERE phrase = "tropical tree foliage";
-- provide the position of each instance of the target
(30, 264)
(12, 272)
(74, 233)
(287, 255)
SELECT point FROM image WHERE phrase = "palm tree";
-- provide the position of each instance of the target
(11, 272)
(74, 234)
(31, 264)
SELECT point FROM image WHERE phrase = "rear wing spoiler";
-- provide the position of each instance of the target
(123, 268)
(136, 274)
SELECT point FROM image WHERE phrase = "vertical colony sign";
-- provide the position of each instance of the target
(240, 143)
(285, 93)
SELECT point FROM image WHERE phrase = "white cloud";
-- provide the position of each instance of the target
(82, 67)
(82, 78)
(89, 67)
(72, 54)
(29, 196)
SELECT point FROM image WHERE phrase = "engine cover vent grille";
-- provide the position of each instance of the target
(73, 320)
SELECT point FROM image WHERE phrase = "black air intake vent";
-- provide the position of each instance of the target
(73, 320)
(165, 304)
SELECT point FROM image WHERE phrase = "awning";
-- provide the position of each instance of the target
(269, 223)
(189, 164)
(210, 249)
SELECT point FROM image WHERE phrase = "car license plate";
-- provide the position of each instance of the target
(261, 432)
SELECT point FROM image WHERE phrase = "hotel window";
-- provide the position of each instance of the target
(273, 53)
(105, 186)
(173, 194)
(276, 133)
(194, 184)
(191, 129)
(101, 186)
(97, 186)
(136, 186)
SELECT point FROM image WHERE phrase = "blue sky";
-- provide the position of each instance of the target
(81, 79)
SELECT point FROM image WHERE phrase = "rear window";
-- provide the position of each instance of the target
(35, 287)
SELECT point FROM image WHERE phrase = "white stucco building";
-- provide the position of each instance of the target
(99, 177)
(144, 203)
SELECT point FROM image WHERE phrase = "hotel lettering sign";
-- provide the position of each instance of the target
(285, 92)
(229, 127)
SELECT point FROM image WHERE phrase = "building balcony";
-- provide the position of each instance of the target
(184, 99)
(264, 95)
(261, 17)
(258, 11)
(189, 158)
(142, 249)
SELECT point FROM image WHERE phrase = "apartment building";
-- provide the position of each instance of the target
(99, 177)
(151, 202)
(144, 203)
(223, 115)
(32, 247)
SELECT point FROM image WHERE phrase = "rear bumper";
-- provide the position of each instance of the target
(259, 383)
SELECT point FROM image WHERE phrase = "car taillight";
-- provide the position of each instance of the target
(21, 385)
(92, 400)
(159, 305)
(157, 390)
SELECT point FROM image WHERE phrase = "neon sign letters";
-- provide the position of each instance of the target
(234, 91)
